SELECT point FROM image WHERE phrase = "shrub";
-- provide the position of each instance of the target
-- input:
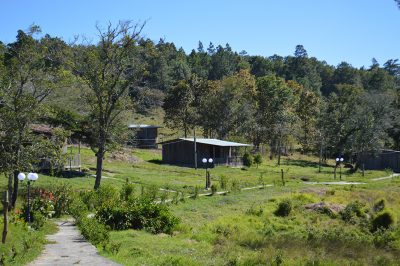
(106, 194)
(157, 218)
(127, 191)
(384, 238)
(235, 186)
(258, 159)
(284, 208)
(196, 192)
(138, 214)
(38, 220)
(150, 192)
(255, 211)
(213, 189)
(176, 197)
(223, 182)
(42, 203)
(247, 160)
(384, 220)
(379, 205)
(352, 211)
(116, 217)
(63, 198)
(78, 209)
(94, 231)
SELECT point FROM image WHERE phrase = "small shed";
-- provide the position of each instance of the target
(73, 160)
(145, 136)
(380, 160)
(181, 151)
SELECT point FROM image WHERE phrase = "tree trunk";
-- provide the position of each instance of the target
(279, 152)
(320, 158)
(15, 190)
(5, 213)
(10, 188)
(99, 168)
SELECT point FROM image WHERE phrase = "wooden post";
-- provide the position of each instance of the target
(320, 157)
(5, 211)
(334, 172)
(195, 148)
(283, 180)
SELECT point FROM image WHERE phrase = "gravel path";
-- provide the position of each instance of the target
(68, 247)
(386, 177)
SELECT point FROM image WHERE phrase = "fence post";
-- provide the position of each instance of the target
(5, 212)
(283, 180)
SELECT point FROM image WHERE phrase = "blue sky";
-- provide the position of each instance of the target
(331, 30)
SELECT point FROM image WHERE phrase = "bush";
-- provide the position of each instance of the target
(63, 198)
(284, 208)
(78, 209)
(353, 211)
(379, 205)
(94, 231)
(138, 214)
(223, 182)
(127, 191)
(196, 192)
(156, 218)
(235, 185)
(384, 220)
(150, 192)
(42, 205)
(213, 189)
(255, 211)
(38, 220)
(258, 159)
(105, 195)
(247, 160)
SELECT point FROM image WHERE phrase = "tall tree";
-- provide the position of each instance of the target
(108, 70)
(31, 69)
(303, 70)
(179, 107)
(229, 107)
(337, 121)
(307, 107)
(274, 110)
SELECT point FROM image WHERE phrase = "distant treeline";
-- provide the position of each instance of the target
(275, 101)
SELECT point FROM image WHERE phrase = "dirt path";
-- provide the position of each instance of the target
(386, 177)
(68, 247)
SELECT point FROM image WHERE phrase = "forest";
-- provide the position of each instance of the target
(85, 89)
(88, 91)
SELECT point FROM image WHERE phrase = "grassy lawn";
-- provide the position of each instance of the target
(240, 228)
(144, 167)
(23, 244)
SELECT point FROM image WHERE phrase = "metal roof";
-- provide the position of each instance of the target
(215, 142)
(142, 126)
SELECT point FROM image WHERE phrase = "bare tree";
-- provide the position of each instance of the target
(107, 70)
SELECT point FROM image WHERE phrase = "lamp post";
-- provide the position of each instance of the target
(31, 178)
(339, 161)
(208, 163)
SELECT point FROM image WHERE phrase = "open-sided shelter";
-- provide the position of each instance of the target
(181, 151)
(145, 136)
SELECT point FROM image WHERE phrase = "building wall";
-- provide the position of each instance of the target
(380, 161)
(146, 138)
(182, 153)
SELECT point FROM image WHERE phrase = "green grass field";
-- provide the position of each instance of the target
(240, 228)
